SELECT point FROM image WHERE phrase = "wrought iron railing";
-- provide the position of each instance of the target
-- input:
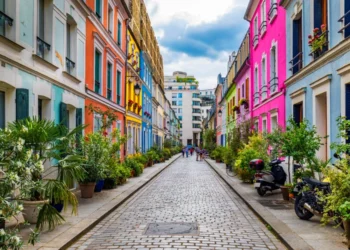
(109, 94)
(262, 28)
(346, 24)
(273, 83)
(41, 46)
(273, 11)
(97, 86)
(70, 65)
(322, 46)
(256, 97)
(255, 40)
(263, 92)
(5, 19)
(296, 63)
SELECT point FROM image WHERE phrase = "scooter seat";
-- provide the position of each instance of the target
(315, 182)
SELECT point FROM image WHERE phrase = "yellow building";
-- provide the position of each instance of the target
(133, 96)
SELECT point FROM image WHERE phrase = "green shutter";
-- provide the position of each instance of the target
(79, 122)
(22, 104)
(98, 8)
(119, 32)
(2, 109)
(64, 114)
(118, 87)
(97, 72)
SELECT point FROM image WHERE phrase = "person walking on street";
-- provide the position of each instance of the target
(191, 150)
(186, 150)
(197, 153)
(183, 152)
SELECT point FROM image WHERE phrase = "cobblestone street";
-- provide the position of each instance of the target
(188, 191)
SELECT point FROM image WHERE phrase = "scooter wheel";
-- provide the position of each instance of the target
(261, 191)
(299, 209)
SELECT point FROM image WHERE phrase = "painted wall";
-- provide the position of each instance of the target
(275, 35)
(241, 80)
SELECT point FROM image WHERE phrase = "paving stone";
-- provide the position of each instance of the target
(186, 192)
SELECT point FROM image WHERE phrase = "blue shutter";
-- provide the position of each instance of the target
(347, 18)
(2, 109)
(64, 115)
(317, 13)
(22, 104)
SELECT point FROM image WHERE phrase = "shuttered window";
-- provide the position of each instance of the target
(109, 81)
(98, 8)
(97, 72)
(64, 115)
(2, 109)
(347, 18)
(22, 104)
(119, 33)
(118, 87)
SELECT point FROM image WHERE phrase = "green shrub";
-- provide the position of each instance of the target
(134, 166)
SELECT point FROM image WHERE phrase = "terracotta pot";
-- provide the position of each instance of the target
(285, 193)
(31, 210)
(87, 189)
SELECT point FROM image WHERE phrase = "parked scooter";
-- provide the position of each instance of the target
(268, 180)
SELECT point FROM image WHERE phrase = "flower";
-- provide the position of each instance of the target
(24, 129)
(310, 36)
(16, 239)
(323, 27)
(2, 232)
(316, 30)
(105, 133)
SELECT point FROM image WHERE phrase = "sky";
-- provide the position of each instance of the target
(197, 36)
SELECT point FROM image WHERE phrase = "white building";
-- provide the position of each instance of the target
(183, 93)
(207, 97)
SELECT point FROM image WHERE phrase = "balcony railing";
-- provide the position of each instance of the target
(97, 86)
(346, 24)
(263, 92)
(4, 19)
(296, 63)
(262, 28)
(322, 45)
(273, 11)
(70, 65)
(255, 40)
(273, 84)
(256, 97)
(109, 94)
(41, 46)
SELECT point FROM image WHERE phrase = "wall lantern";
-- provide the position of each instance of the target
(137, 89)
(220, 113)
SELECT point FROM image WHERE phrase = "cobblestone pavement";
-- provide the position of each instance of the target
(188, 191)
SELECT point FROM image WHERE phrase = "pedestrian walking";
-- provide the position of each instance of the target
(197, 153)
(191, 151)
(186, 150)
(183, 152)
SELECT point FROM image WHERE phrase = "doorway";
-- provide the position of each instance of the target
(322, 124)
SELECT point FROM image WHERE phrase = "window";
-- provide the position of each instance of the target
(273, 10)
(320, 18)
(298, 112)
(109, 81)
(180, 95)
(98, 8)
(263, 79)
(69, 62)
(40, 109)
(256, 32)
(2, 20)
(179, 103)
(193, 87)
(196, 125)
(174, 95)
(180, 117)
(118, 87)
(273, 68)
(263, 25)
(180, 110)
(97, 72)
(119, 38)
(196, 103)
(273, 123)
(42, 45)
(180, 87)
(2, 109)
(297, 61)
(110, 19)
(97, 122)
(264, 126)
(195, 95)
(256, 86)
(173, 103)
(346, 20)
(256, 126)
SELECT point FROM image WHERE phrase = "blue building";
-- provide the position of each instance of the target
(318, 77)
(146, 75)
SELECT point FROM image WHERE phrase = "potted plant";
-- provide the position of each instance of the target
(318, 40)
(236, 109)
(244, 102)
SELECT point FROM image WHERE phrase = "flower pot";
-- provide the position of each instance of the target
(110, 183)
(87, 189)
(31, 210)
(346, 224)
(285, 193)
(99, 186)
(2, 224)
(217, 161)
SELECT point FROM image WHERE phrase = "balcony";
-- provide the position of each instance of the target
(345, 20)
(256, 97)
(273, 12)
(319, 44)
(42, 46)
(296, 63)
(262, 29)
(255, 40)
(70, 65)
(4, 19)
(273, 83)
(263, 92)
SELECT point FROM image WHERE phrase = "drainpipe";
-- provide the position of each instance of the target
(125, 81)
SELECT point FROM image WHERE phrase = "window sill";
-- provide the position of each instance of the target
(71, 77)
(256, 45)
(263, 34)
(12, 44)
(46, 63)
(273, 18)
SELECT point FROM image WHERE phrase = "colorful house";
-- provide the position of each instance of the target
(105, 71)
(218, 114)
(133, 96)
(146, 76)
(267, 61)
(242, 80)
(318, 78)
(222, 110)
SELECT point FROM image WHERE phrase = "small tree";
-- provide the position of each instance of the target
(209, 137)
(301, 142)
(274, 140)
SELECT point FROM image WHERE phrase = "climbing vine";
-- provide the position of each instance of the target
(108, 116)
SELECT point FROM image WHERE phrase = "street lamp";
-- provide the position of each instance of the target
(220, 113)
(137, 89)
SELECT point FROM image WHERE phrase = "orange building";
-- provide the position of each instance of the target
(106, 48)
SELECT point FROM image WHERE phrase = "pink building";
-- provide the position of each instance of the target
(267, 62)
(218, 121)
